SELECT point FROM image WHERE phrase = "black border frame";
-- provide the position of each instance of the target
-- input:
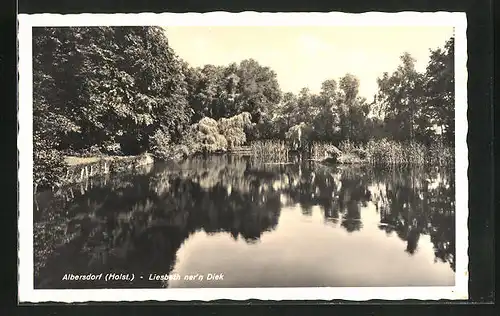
(480, 139)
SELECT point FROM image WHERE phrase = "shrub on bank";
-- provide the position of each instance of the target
(323, 150)
(352, 153)
(160, 146)
(48, 166)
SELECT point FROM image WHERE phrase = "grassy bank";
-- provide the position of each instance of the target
(74, 169)
(71, 169)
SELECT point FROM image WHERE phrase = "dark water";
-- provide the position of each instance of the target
(260, 225)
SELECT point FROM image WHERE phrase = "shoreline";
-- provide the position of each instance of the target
(80, 169)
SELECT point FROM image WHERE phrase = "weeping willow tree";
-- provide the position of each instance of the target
(299, 135)
(233, 128)
(204, 137)
(209, 135)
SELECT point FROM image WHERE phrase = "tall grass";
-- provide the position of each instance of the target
(441, 155)
(270, 150)
(388, 153)
(378, 153)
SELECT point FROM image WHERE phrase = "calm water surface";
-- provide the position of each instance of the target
(260, 224)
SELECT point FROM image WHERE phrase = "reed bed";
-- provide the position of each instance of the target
(386, 153)
(381, 153)
(270, 150)
(441, 155)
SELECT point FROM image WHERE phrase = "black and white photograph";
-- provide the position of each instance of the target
(242, 155)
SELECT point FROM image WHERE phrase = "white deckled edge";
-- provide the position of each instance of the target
(246, 18)
(25, 172)
(25, 147)
(461, 161)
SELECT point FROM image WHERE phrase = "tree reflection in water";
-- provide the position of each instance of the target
(136, 223)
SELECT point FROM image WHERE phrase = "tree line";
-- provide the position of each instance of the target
(124, 91)
(408, 106)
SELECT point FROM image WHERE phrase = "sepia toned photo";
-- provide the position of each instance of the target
(240, 156)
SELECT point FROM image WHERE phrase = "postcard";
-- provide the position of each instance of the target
(269, 156)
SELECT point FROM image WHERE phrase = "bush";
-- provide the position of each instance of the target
(48, 165)
(180, 151)
(159, 144)
(324, 150)
(352, 153)
(112, 148)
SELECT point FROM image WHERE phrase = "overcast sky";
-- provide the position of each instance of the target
(306, 56)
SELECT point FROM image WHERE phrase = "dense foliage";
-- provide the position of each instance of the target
(209, 135)
(409, 106)
(124, 91)
(219, 91)
(204, 137)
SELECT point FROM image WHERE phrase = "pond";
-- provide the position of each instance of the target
(238, 222)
